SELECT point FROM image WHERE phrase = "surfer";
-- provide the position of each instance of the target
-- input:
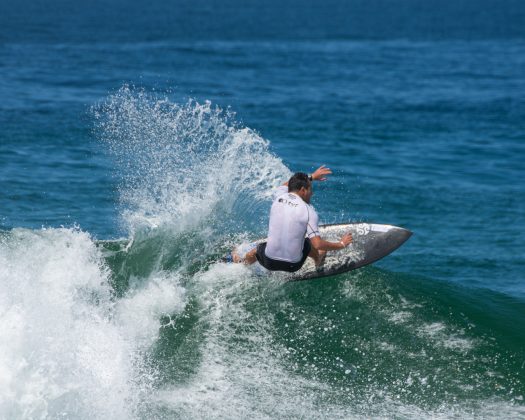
(293, 233)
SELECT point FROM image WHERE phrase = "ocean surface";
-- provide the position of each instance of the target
(139, 141)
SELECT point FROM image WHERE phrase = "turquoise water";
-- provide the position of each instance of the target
(139, 144)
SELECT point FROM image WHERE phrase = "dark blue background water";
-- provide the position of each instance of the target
(417, 106)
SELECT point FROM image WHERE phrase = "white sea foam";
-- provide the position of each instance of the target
(399, 317)
(67, 349)
(140, 310)
(439, 334)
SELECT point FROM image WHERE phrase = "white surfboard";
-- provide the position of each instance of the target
(371, 242)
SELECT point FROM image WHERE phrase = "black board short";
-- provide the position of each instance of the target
(276, 265)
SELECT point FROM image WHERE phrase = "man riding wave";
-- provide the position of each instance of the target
(293, 233)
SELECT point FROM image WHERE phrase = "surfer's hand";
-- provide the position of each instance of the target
(346, 239)
(320, 173)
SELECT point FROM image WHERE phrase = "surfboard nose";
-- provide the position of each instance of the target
(385, 239)
(400, 235)
(396, 237)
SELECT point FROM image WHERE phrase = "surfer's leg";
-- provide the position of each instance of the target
(244, 253)
(248, 259)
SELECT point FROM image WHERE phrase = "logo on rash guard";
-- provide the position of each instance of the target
(285, 201)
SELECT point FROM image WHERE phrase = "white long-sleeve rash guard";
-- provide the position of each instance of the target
(290, 220)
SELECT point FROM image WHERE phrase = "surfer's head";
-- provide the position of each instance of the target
(301, 185)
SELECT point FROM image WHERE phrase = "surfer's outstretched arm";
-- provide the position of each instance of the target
(319, 174)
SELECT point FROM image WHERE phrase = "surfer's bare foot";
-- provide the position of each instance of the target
(236, 258)
(250, 257)
(320, 259)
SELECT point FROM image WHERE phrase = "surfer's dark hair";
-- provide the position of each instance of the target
(298, 181)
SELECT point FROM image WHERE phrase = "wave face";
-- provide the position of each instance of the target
(88, 335)
(153, 327)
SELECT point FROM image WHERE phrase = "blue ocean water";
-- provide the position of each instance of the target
(165, 126)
